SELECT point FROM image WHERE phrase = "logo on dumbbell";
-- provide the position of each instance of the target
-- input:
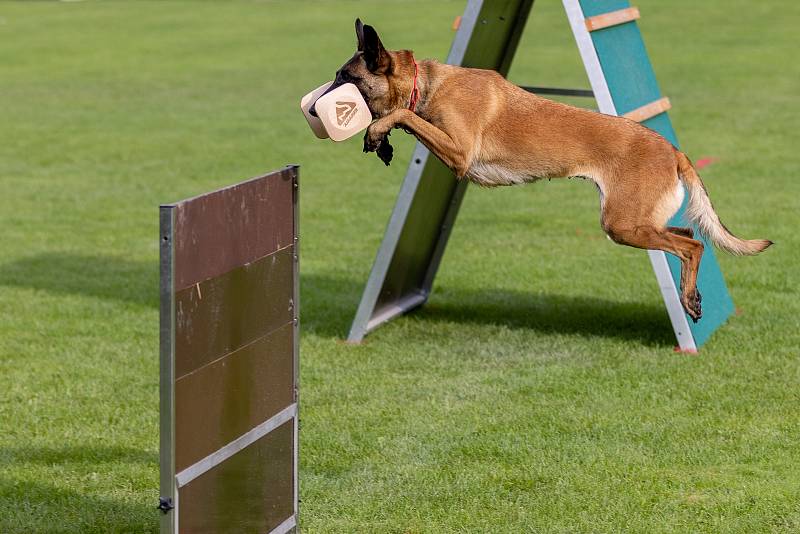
(345, 111)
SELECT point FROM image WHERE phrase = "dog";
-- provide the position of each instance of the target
(493, 133)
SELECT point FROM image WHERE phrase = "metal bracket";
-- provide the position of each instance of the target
(165, 504)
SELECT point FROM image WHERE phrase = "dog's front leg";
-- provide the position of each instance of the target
(452, 154)
(376, 139)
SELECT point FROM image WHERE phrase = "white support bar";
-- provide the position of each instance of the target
(286, 526)
(677, 316)
(226, 451)
(397, 308)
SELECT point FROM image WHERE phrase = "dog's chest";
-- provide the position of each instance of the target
(492, 175)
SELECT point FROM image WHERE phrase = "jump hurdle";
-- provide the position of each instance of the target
(229, 359)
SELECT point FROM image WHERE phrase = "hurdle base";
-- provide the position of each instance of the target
(677, 348)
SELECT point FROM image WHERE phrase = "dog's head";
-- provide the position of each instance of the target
(378, 73)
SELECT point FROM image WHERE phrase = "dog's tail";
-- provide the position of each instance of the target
(701, 212)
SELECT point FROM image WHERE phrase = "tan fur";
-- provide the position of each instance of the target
(493, 133)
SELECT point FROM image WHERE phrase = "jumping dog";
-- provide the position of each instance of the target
(489, 131)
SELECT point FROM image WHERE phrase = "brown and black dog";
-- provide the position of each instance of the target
(493, 133)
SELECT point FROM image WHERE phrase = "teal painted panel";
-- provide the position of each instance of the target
(623, 57)
(632, 83)
(598, 7)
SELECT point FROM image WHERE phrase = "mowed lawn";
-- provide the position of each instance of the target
(537, 392)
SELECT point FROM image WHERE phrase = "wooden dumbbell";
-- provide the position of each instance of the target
(341, 113)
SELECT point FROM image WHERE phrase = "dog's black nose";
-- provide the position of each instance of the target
(313, 110)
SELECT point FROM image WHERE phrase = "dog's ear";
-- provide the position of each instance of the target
(360, 34)
(375, 55)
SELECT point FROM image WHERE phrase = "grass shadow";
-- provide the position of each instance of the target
(329, 301)
(101, 276)
(33, 507)
(646, 323)
(29, 506)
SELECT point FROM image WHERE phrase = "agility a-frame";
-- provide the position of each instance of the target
(623, 83)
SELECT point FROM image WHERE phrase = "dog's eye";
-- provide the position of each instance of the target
(347, 77)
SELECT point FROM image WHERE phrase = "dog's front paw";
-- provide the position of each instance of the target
(374, 135)
(370, 145)
(385, 150)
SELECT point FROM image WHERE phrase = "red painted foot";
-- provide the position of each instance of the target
(677, 348)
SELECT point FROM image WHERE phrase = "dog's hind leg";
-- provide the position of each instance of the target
(637, 216)
(685, 232)
(688, 250)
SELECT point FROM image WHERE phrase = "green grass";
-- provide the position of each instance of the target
(538, 390)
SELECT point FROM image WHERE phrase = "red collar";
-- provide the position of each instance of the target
(415, 90)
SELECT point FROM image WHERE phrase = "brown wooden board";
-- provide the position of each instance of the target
(224, 399)
(229, 358)
(219, 231)
(208, 327)
(251, 492)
